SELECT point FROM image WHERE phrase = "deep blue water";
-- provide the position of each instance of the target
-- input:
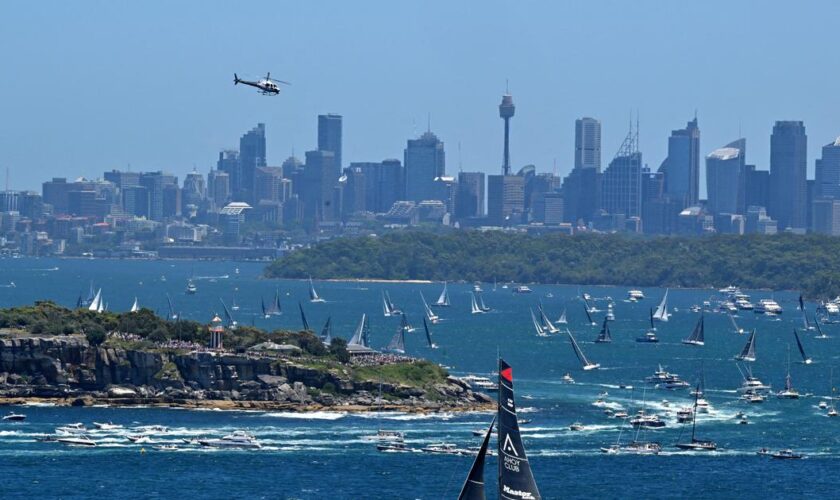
(327, 456)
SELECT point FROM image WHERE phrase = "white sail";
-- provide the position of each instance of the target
(443, 300)
(562, 319)
(474, 307)
(546, 323)
(136, 306)
(386, 309)
(537, 326)
(481, 304)
(357, 335)
(429, 313)
(587, 365)
(748, 352)
(661, 313)
(313, 295)
(96, 303)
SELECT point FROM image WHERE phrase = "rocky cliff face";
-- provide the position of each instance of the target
(68, 366)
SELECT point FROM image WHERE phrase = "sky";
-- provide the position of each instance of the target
(89, 86)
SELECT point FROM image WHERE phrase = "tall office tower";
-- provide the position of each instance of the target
(587, 143)
(161, 203)
(424, 162)
(756, 187)
(581, 195)
(218, 187)
(329, 137)
(122, 179)
(725, 172)
(228, 162)
(505, 199)
(682, 166)
(319, 181)
(788, 163)
(827, 172)
(506, 111)
(270, 185)
(194, 190)
(469, 202)
(251, 157)
(622, 179)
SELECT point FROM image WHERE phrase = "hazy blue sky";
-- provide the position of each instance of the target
(90, 86)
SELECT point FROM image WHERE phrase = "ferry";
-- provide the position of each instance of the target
(635, 295)
(480, 383)
(768, 306)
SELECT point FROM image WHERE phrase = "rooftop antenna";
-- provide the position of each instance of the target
(507, 89)
(460, 166)
(554, 167)
(429, 122)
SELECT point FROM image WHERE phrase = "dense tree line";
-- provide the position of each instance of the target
(792, 262)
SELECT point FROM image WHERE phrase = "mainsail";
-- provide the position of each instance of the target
(661, 313)
(481, 304)
(326, 332)
(429, 313)
(397, 343)
(228, 316)
(537, 326)
(697, 335)
(805, 322)
(546, 323)
(172, 313)
(443, 300)
(820, 334)
(359, 336)
(748, 352)
(432, 345)
(303, 317)
(313, 295)
(805, 359)
(388, 307)
(562, 319)
(588, 316)
(604, 334)
(473, 488)
(515, 478)
(587, 365)
(135, 306)
(96, 302)
(738, 329)
(652, 324)
(474, 306)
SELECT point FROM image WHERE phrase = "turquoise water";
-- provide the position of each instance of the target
(326, 455)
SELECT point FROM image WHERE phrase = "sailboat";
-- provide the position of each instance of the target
(326, 332)
(820, 333)
(135, 306)
(273, 309)
(516, 481)
(264, 309)
(546, 323)
(360, 342)
(481, 304)
(89, 299)
(397, 343)
(234, 306)
(586, 364)
(832, 412)
(191, 288)
(443, 300)
(589, 316)
(313, 295)
(805, 322)
(96, 302)
(537, 326)
(432, 345)
(738, 330)
(172, 313)
(661, 313)
(474, 308)
(788, 392)
(434, 318)
(303, 317)
(231, 323)
(405, 325)
(650, 335)
(562, 319)
(696, 444)
(805, 358)
(388, 307)
(697, 335)
(604, 335)
(635, 447)
(748, 352)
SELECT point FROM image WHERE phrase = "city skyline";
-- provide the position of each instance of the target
(175, 109)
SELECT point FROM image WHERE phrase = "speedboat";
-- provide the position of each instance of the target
(621, 414)
(445, 449)
(239, 439)
(81, 440)
(644, 420)
(389, 436)
(395, 446)
(648, 338)
(77, 428)
(822, 405)
(577, 426)
(787, 455)
(753, 397)
(762, 452)
(14, 417)
(191, 288)
(522, 289)
(108, 426)
(752, 384)
(697, 445)
(166, 447)
(703, 405)
(567, 378)
(832, 412)
(635, 295)
(139, 439)
(685, 414)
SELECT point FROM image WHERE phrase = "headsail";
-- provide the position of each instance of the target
(474, 305)
(429, 313)
(96, 302)
(303, 317)
(546, 323)
(661, 313)
(135, 306)
(515, 478)
(604, 334)
(481, 304)
(313, 295)
(358, 336)
(562, 319)
(748, 352)
(443, 300)
(805, 359)
(326, 332)
(397, 343)
(537, 326)
(473, 488)
(432, 345)
(228, 316)
(588, 316)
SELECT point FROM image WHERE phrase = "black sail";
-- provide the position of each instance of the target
(303, 317)
(515, 478)
(473, 488)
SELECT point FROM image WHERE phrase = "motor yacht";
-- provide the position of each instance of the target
(80, 440)
(14, 417)
(239, 439)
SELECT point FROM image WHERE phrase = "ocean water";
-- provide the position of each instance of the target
(328, 455)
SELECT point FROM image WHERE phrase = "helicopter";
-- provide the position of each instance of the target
(267, 86)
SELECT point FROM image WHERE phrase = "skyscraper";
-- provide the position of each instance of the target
(161, 203)
(588, 143)
(318, 184)
(228, 163)
(424, 162)
(725, 172)
(251, 156)
(788, 163)
(622, 179)
(470, 199)
(329, 137)
(682, 166)
(827, 171)
(505, 199)
(506, 111)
